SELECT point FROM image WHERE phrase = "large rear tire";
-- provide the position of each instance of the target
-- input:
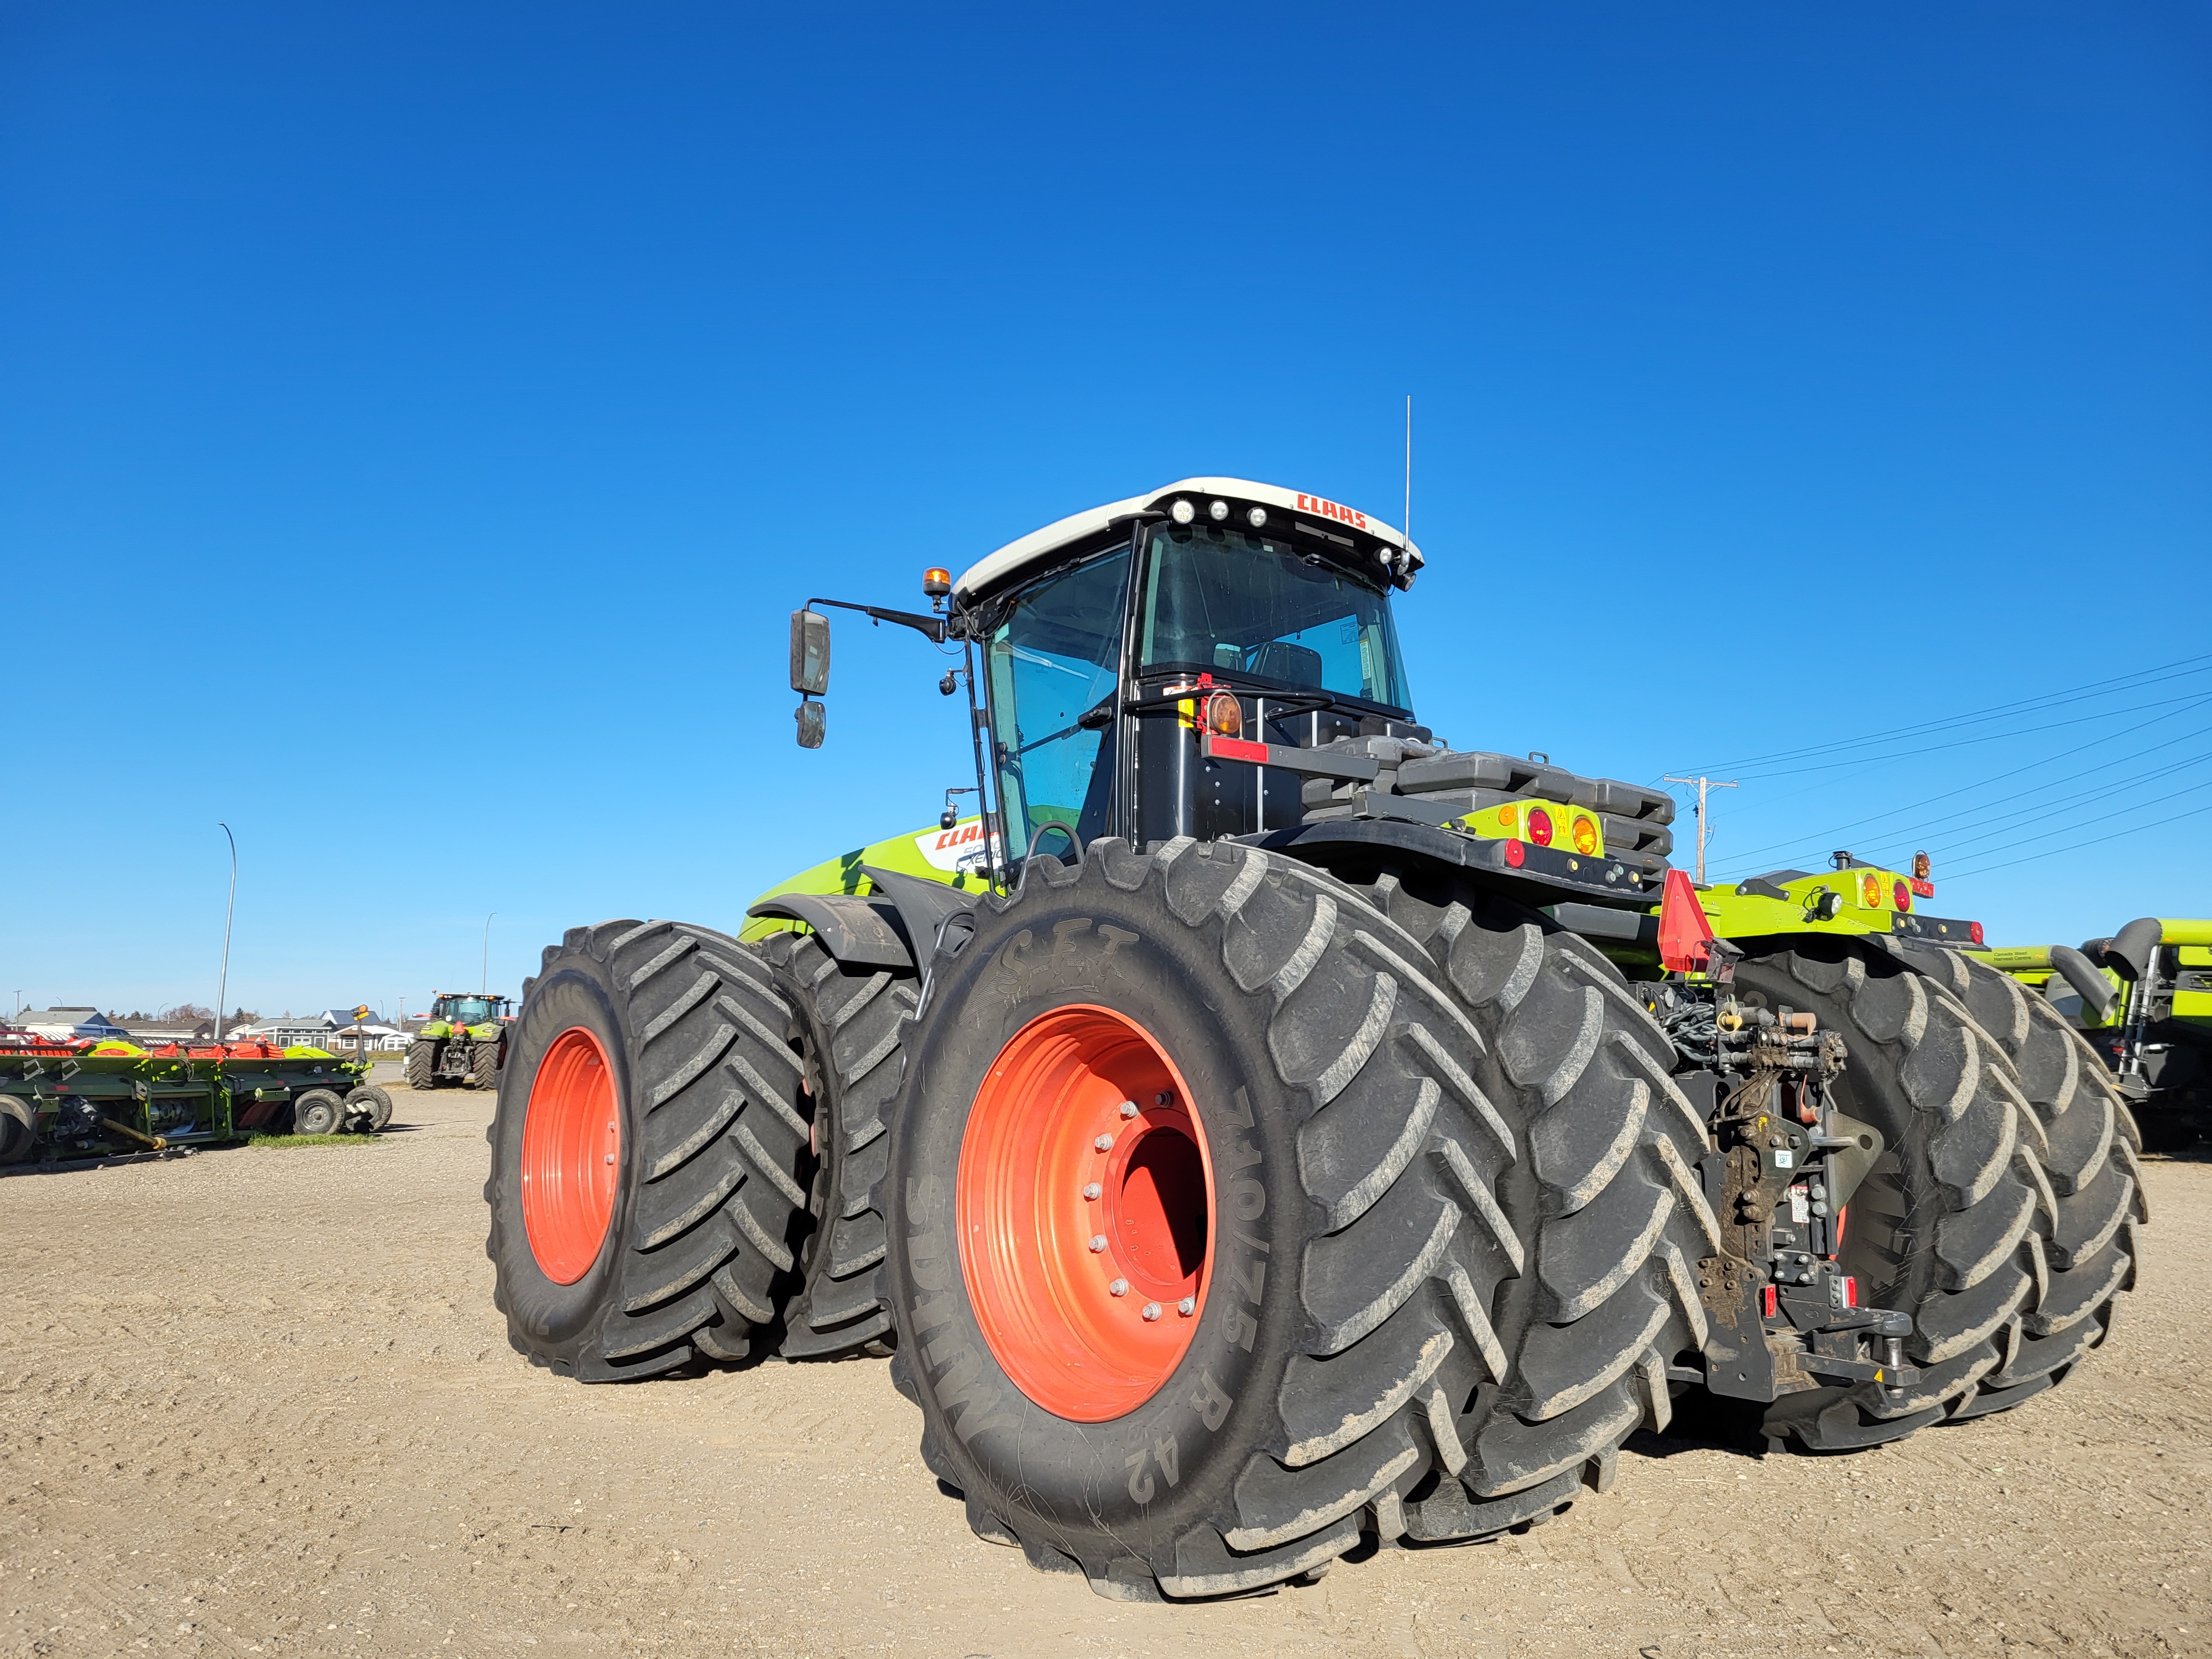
(1315, 1149)
(848, 1024)
(421, 1064)
(483, 1065)
(2086, 1216)
(646, 1153)
(1942, 1226)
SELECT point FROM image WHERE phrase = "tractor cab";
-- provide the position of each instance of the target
(462, 1011)
(1218, 659)
(1223, 607)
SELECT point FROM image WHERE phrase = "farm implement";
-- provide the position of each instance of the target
(78, 1100)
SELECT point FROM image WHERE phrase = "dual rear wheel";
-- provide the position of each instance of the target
(648, 1154)
(1221, 1243)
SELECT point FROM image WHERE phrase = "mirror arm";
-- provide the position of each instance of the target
(933, 627)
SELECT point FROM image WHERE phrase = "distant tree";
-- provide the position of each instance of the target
(246, 1017)
(184, 1013)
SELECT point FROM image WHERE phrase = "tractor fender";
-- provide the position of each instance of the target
(936, 917)
(2078, 971)
(863, 933)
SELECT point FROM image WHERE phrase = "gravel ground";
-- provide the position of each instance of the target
(258, 1402)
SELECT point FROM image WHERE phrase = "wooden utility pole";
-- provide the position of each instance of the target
(1704, 784)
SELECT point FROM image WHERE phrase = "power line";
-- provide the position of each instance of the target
(1986, 736)
(2180, 669)
(2003, 826)
(1919, 826)
(2071, 847)
(2048, 835)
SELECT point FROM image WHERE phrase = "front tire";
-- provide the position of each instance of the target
(1359, 1204)
(646, 1153)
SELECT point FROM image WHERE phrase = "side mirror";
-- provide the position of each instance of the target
(811, 723)
(810, 656)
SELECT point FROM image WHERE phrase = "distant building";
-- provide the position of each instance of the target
(348, 1038)
(320, 1030)
(60, 1024)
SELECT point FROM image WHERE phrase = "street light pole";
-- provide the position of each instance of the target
(483, 975)
(223, 985)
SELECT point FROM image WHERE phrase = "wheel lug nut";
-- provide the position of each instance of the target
(1129, 1108)
(1119, 1287)
(611, 1158)
(1165, 1097)
(1103, 1144)
(1151, 1310)
(1187, 1306)
(1097, 1243)
(1094, 1190)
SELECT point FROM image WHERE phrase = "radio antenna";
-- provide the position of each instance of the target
(1409, 467)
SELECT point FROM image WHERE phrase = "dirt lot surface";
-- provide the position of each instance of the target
(257, 1402)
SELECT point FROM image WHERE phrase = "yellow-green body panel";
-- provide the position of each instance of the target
(1867, 896)
(956, 857)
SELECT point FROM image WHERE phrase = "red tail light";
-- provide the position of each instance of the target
(1540, 826)
(1903, 894)
(1851, 1292)
(1515, 854)
(1767, 1301)
(1974, 932)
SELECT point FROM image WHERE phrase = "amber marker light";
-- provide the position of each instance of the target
(1585, 835)
(1225, 715)
(1870, 892)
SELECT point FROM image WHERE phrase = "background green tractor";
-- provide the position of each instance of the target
(464, 1041)
(2143, 997)
(1243, 1131)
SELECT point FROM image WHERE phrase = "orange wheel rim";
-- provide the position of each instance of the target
(1086, 1213)
(571, 1156)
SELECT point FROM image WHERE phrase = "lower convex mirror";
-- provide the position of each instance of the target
(811, 723)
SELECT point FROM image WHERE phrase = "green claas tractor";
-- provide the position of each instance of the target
(463, 1041)
(2143, 997)
(1262, 1124)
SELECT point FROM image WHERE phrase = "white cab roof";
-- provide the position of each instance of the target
(1040, 544)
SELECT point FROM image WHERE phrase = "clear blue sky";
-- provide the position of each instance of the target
(481, 387)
